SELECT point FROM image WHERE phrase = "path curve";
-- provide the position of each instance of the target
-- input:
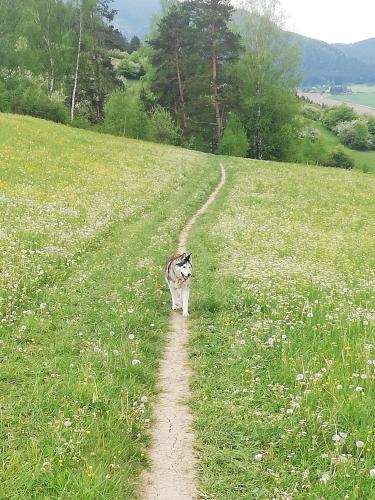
(172, 475)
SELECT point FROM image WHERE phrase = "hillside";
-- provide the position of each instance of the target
(281, 317)
(322, 63)
(362, 51)
(87, 221)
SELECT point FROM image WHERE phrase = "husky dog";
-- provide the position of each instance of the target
(177, 275)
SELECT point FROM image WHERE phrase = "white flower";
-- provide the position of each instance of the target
(116, 352)
(372, 472)
(325, 478)
(360, 444)
(131, 336)
(359, 389)
(258, 457)
(144, 399)
(339, 387)
(67, 422)
(299, 376)
(242, 342)
(23, 328)
(270, 341)
(336, 438)
(135, 362)
(130, 310)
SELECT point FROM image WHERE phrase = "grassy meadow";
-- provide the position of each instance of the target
(364, 98)
(364, 160)
(283, 335)
(87, 221)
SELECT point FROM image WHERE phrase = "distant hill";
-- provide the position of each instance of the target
(323, 62)
(363, 51)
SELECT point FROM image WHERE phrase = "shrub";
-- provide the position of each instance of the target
(234, 141)
(342, 113)
(125, 116)
(24, 98)
(354, 134)
(311, 112)
(131, 69)
(162, 127)
(339, 158)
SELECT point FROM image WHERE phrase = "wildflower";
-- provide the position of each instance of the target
(339, 387)
(258, 457)
(144, 399)
(130, 310)
(242, 342)
(131, 336)
(360, 444)
(325, 478)
(336, 438)
(67, 422)
(270, 341)
(299, 377)
(372, 472)
(359, 389)
(135, 362)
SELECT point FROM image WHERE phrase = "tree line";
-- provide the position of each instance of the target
(207, 77)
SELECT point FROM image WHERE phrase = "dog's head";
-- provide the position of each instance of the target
(185, 266)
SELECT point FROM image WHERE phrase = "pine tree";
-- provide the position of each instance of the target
(220, 45)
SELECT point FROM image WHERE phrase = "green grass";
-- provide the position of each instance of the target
(364, 160)
(87, 221)
(364, 98)
(283, 334)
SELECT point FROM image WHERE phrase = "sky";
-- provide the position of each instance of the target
(333, 21)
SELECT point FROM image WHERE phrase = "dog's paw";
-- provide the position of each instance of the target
(185, 315)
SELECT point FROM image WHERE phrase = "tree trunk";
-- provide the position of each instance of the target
(215, 84)
(180, 89)
(259, 145)
(77, 66)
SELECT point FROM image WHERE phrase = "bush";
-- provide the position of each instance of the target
(24, 98)
(234, 141)
(131, 69)
(354, 134)
(125, 116)
(340, 159)
(311, 112)
(342, 113)
(162, 127)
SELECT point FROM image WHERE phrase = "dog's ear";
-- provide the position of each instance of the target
(188, 258)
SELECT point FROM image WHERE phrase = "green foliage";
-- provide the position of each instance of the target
(25, 98)
(130, 67)
(162, 127)
(234, 141)
(340, 159)
(354, 134)
(332, 116)
(125, 116)
(268, 73)
(134, 44)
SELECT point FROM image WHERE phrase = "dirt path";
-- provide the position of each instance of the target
(172, 475)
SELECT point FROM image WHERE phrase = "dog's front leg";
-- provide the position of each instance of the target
(185, 301)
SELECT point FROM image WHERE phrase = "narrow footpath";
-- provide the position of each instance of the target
(172, 475)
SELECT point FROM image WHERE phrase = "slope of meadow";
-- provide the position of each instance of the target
(283, 334)
(87, 221)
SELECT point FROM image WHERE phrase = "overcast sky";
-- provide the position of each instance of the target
(334, 21)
